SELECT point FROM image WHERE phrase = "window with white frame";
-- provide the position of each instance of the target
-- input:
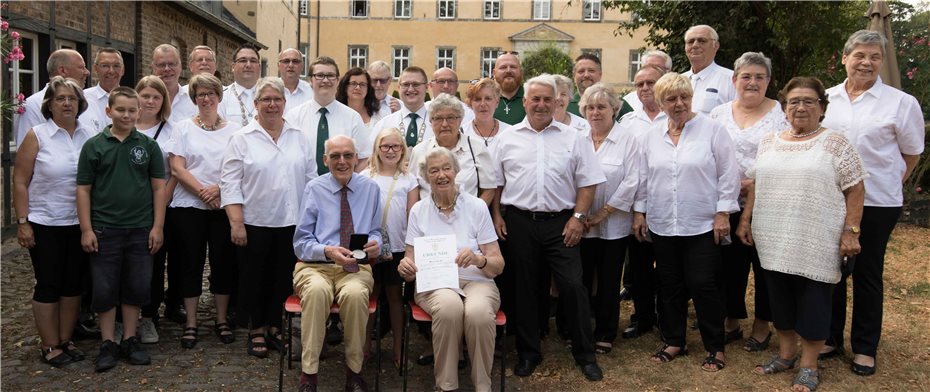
(446, 9)
(400, 59)
(445, 57)
(402, 8)
(488, 58)
(358, 8)
(635, 62)
(24, 75)
(542, 9)
(492, 9)
(592, 10)
(304, 7)
(358, 56)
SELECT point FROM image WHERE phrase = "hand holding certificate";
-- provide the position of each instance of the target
(435, 258)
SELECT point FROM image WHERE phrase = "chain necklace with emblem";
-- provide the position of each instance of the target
(422, 127)
(245, 115)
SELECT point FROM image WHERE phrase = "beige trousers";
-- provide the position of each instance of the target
(472, 316)
(317, 285)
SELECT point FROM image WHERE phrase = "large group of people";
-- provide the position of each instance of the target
(673, 192)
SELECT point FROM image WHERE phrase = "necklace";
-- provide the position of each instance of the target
(422, 126)
(806, 134)
(506, 107)
(205, 127)
(450, 207)
(487, 140)
(597, 143)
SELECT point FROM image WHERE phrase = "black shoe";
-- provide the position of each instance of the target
(526, 367)
(426, 360)
(69, 348)
(333, 333)
(734, 335)
(636, 330)
(176, 313)
(133, 352)
(109, 355)
(59, 360)
(830, 354)
(625, 294)
(86, 327)
(862, 370)
(592, 372)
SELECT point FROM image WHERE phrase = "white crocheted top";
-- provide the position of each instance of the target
(800, 210)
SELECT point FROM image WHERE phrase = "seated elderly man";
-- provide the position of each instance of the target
(335, 206)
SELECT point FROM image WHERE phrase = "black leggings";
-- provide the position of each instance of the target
(59, 262)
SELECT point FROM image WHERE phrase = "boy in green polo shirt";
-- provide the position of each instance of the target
(120, 201)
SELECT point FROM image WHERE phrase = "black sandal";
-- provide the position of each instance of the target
(276, 341)
(712, 360)
(72, 350)
(752, 345)
(189, 337)
(602, 347)
(665, 356)
(59, 360)
(224, 333)
(253, 345)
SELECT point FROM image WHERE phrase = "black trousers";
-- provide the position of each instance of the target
(266, 268)
(868, 290)
(640, 269)
(690, 265)
(194, 230)
(737, 258)
(604, 259)
(160, 260)
(532, 244)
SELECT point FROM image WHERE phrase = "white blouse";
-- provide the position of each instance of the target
(476, 168)
(267, 178)
(164, 141)
(470, 221)
(397, 210)
(619, 159)
(489, 142)
(52, 191)
(746, 141)
(203, 152)
(682, 186)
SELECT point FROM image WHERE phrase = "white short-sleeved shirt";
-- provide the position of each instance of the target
(164, 141)
(619, 159)
(203, 151)
(342, 120)
(542, 171)
(882, 123)
(578, 123)
(95, 116)
(713, 86)
(238, 105)
(470, 221)
(301, 95)
(401, 120)
(32, 115)
(473, 171)
(682, 187)
(397, 210)
(746, 141)
(489, 142)
(52, 196)
(182, 106)
(267, 178)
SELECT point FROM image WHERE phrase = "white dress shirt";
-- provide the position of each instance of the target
(32, 115)
(475, 165)
(882, 123)
(95, 116)
(52, 189)
(633, 100)
(682, 187)
(713, 86)
(619, 158)
(342, 120)
(385, 108)
(182, 106)
(203, 153)
(397, 210)
(164, 141)
(301, 95)
(578, 123)
(542, 171)
(267, 178)
(400, 121)
(641, 124)
(238, 104)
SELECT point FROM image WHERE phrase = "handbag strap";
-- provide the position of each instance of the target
(473, 160)
(387, 203)
(158, 131)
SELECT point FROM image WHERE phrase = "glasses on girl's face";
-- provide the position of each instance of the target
(390, 147)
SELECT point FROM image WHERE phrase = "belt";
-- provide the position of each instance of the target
(539, 216)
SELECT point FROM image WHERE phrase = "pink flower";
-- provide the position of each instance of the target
(919, 189)
(21, 110)
(4, 25)
(20, 97)
(911, 72)
(14, 35)
(16, 54)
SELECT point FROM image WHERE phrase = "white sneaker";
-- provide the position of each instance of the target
(147, 332)
(118, 332)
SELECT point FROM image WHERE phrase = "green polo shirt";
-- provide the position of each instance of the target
(624, 109)
(120, 174)
(573, 105)
(511, 110)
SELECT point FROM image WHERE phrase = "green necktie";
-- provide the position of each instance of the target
(412, 130)
(322, 133)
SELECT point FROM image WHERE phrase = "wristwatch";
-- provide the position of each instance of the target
(580, 216)
(22, 221)
(853, 229)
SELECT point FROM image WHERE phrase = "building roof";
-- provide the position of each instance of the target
(542, 32)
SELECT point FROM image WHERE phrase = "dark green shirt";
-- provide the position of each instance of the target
(120, 174)
(624, 109)
(511, 110)
(573, 105)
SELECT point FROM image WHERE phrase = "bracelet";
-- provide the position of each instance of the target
(485, 263)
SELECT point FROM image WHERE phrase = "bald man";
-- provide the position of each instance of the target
(445, 80)
(63, 62)
(296, 91)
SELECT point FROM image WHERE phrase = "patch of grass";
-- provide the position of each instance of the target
(921, 290)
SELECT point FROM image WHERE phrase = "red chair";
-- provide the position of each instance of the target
(417, 313)
(292, 308)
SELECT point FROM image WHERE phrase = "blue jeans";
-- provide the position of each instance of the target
(121, 269)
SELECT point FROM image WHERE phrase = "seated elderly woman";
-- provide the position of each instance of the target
(477, 177)
(689, 184)
(805, 205)
(451, 212)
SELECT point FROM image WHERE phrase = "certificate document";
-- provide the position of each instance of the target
(435, 260)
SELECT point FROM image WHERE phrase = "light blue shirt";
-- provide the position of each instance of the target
(318, 224)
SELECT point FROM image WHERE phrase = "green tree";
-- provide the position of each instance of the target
(546, 59)
(801, 37)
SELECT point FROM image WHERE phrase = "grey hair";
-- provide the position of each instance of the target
(713, 33)
(660, 54)
(435, 152)
(446, 101)
(167, 48)
(59, 58)
(864, 37)
(753, 58)
(379, 65)
(545, 80)
(563, 83)
(329, 142)
(272, 82)
(596, 93)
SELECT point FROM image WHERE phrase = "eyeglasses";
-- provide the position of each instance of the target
(411, 85)
(289, 61)
(269, 100)
(749, 77)
(807, 102)
(346, 156)
(440, 120)
(204, 60)
(110, 67)
(699, 41)
(644, 83)
(361, 85)
(320, 76)
(390, 147)
(381, 81)
(247, 61)
(166, 65)
(443, 82)
(66, 98)
(209, 94)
